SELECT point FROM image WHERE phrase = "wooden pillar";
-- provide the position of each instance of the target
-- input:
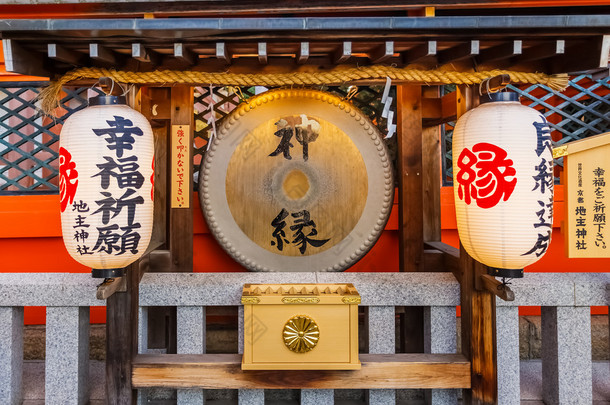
(409, 132)
(122, 323)
(156, 107)
(431, 180)
(181, 219)
(165, 107)
(121, 339)
(478, 309)
(410, 214)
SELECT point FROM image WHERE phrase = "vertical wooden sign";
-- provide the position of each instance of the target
(181, 168)
(587, 168)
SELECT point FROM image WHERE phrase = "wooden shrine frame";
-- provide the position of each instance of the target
(214, 41)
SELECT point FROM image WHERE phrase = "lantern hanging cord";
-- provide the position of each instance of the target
(49, 97)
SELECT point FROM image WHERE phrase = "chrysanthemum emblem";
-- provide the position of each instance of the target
(301, 334)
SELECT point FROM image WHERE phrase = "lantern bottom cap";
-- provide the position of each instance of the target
(507, 273)
(108, 273)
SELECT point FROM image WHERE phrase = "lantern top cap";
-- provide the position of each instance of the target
(500, 96)
(107, 100)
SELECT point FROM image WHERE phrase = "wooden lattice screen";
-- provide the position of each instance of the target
(29, 141)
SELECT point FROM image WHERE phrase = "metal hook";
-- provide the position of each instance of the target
(494, 84)
(351, 92)
(505, 283)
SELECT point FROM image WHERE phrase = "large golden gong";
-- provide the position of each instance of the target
(296, 180)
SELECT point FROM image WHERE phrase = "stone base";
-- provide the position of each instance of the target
(530, 340)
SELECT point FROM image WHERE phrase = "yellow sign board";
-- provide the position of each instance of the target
(587, 165)
(182, 182)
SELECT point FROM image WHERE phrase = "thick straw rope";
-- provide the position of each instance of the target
(49, 96)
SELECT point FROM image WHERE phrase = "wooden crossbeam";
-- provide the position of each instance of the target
(102, 54)
(379, 371)
(451, 257)
(62, 54)
(459, 52)
(222, 52)
(420, 53)
(303, 53)
(505, 50)
(382, 52)
(592, 53)
(343, 53)
(182, 53)
(262, 53)
(542, 51)
(497, 288)
(110, 286)
(436, 111)
(143, 54)
(20, 60)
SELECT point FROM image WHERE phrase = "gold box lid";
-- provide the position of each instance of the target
(300, 294)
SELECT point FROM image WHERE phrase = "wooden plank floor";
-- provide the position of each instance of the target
(223, 371)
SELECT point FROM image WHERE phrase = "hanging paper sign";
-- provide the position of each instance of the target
(181, 166)
(587, 164)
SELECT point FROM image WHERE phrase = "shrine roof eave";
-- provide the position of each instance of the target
(555, 43)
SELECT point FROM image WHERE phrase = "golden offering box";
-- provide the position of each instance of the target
(300, 327)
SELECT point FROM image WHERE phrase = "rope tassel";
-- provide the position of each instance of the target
(49, 96)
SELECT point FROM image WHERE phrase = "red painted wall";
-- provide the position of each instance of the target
(30, 241)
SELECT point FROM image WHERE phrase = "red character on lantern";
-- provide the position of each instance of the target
(68, 178)
(152, 180)
(485, 175)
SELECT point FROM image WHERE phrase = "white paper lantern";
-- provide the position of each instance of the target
(106, 185)
(503, 184)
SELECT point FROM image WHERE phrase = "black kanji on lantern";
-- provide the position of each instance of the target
(544, 177)
(80, 222)
(83, 250)
(110, 240)
(112, 237)
(124, 170)
(544, 215)
(81, 206)
(543, 136)
(120, 134)
(81, 235)
(541, 245)
(109, 205)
